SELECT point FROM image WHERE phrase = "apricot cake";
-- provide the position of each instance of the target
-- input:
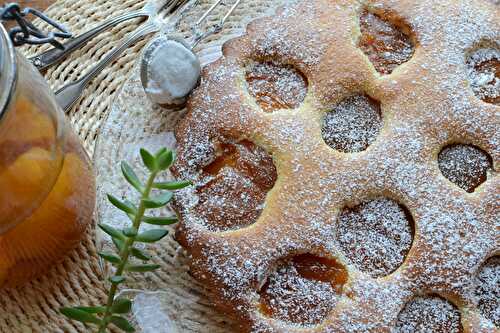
(344, 156)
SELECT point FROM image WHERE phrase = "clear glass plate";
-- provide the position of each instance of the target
(168, 300)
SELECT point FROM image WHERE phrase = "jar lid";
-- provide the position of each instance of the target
(8, 73)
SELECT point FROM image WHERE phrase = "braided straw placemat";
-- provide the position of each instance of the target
(78, 279)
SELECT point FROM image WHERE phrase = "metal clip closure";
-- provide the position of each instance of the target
(26, 32)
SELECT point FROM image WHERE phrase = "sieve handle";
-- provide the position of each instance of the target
(68, 95)
(54, 55)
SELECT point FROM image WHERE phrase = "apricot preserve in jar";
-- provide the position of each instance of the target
(47, 189)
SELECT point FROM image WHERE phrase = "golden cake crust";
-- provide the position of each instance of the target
(426, 104)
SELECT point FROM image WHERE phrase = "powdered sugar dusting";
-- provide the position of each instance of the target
(229, 201)
(425, 105)
(353, 124)
(386, 45)
(233, 187)
(298, 44)
(275, 86)
(429, 314)
(292, 297)
(464, 165)
(483, 69)
(375, 236)
(488, 290)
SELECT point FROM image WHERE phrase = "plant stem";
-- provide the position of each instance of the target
(124, 254)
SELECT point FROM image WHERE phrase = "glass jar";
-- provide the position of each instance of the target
(47, 189)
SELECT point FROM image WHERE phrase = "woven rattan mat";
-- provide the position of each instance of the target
(77, 280)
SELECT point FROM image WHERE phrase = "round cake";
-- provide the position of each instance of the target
(344, 156)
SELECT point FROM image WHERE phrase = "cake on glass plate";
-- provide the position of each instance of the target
(344, 156)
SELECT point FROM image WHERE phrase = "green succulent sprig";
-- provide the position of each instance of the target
(124, 240)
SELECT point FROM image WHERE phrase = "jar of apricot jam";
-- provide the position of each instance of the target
(47, 189)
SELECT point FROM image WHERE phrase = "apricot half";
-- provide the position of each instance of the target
(55, 227)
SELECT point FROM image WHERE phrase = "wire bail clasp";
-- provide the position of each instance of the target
(26, 32)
